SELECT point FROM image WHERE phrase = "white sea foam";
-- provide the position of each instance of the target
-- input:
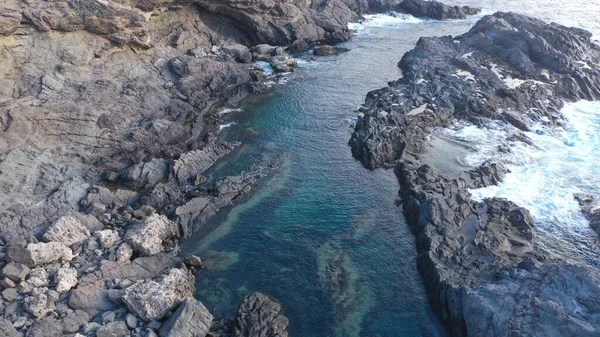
(225, 111)
(266, 66)
(552, 172)
(395, 20)
(226, 125)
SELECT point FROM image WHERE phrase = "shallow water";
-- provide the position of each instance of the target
(322, 211)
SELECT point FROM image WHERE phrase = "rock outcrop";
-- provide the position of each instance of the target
(260, 316)
(151, 300)
(146, 238)
(191, 319)
(590, 207)
(485, 272)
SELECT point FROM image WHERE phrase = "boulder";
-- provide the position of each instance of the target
(106, 238)
(298, 46)
(38, 277)
(39, 254)
(191, 319)
(67, 230)
(74, 320)
(15, 271)
(45, 327)
(258, 316)
(147, 237)
(91, 298)
(7, 329)
(113, 329)
(65, 279)
(37, 305)
(326, 50)
(151, 300)
(240, 52)
(10, 294)
(435, 10)
(124, 252)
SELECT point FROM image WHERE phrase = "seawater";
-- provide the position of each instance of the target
(322, 211)
(545, 177)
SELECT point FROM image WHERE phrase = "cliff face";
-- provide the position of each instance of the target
(485, 271)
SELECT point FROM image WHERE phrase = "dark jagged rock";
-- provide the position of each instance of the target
(484, 271)
(326, 50)
(191, 319)
(590, 207)
(471, 77)
(258, 316)
(435, 10)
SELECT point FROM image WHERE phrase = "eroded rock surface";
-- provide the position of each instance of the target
(260, 316)
(151, 300)
(485, 272)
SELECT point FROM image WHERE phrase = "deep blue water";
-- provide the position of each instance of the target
(322, 208)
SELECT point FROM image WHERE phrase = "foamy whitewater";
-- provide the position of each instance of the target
(391, 20)
(545, 177)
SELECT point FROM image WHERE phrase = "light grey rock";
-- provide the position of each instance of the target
(7, 283)
(7, 329)
(42, 253)
(113, 329)
(66, 279)
(15, 271)
(38, 277)
(131, 321)
(10, 294)
(20, 322)
(37, 305)
(124, 252)
(191, 319)
(67, 230)
(106, 238)
(108, 317)
(90, 327)
(151, 300)
(147, 237)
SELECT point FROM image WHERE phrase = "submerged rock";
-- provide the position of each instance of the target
(258, 316)
(328, 50)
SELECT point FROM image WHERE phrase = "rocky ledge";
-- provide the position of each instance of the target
(485, 271)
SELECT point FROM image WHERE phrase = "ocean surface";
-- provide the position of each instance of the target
(323, 236)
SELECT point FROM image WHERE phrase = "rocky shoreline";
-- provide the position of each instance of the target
(107, 110)
(484, 269)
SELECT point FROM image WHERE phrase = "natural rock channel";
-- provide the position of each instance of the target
(108, 116)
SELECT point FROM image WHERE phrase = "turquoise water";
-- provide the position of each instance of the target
(322, 211)
(323, 235)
